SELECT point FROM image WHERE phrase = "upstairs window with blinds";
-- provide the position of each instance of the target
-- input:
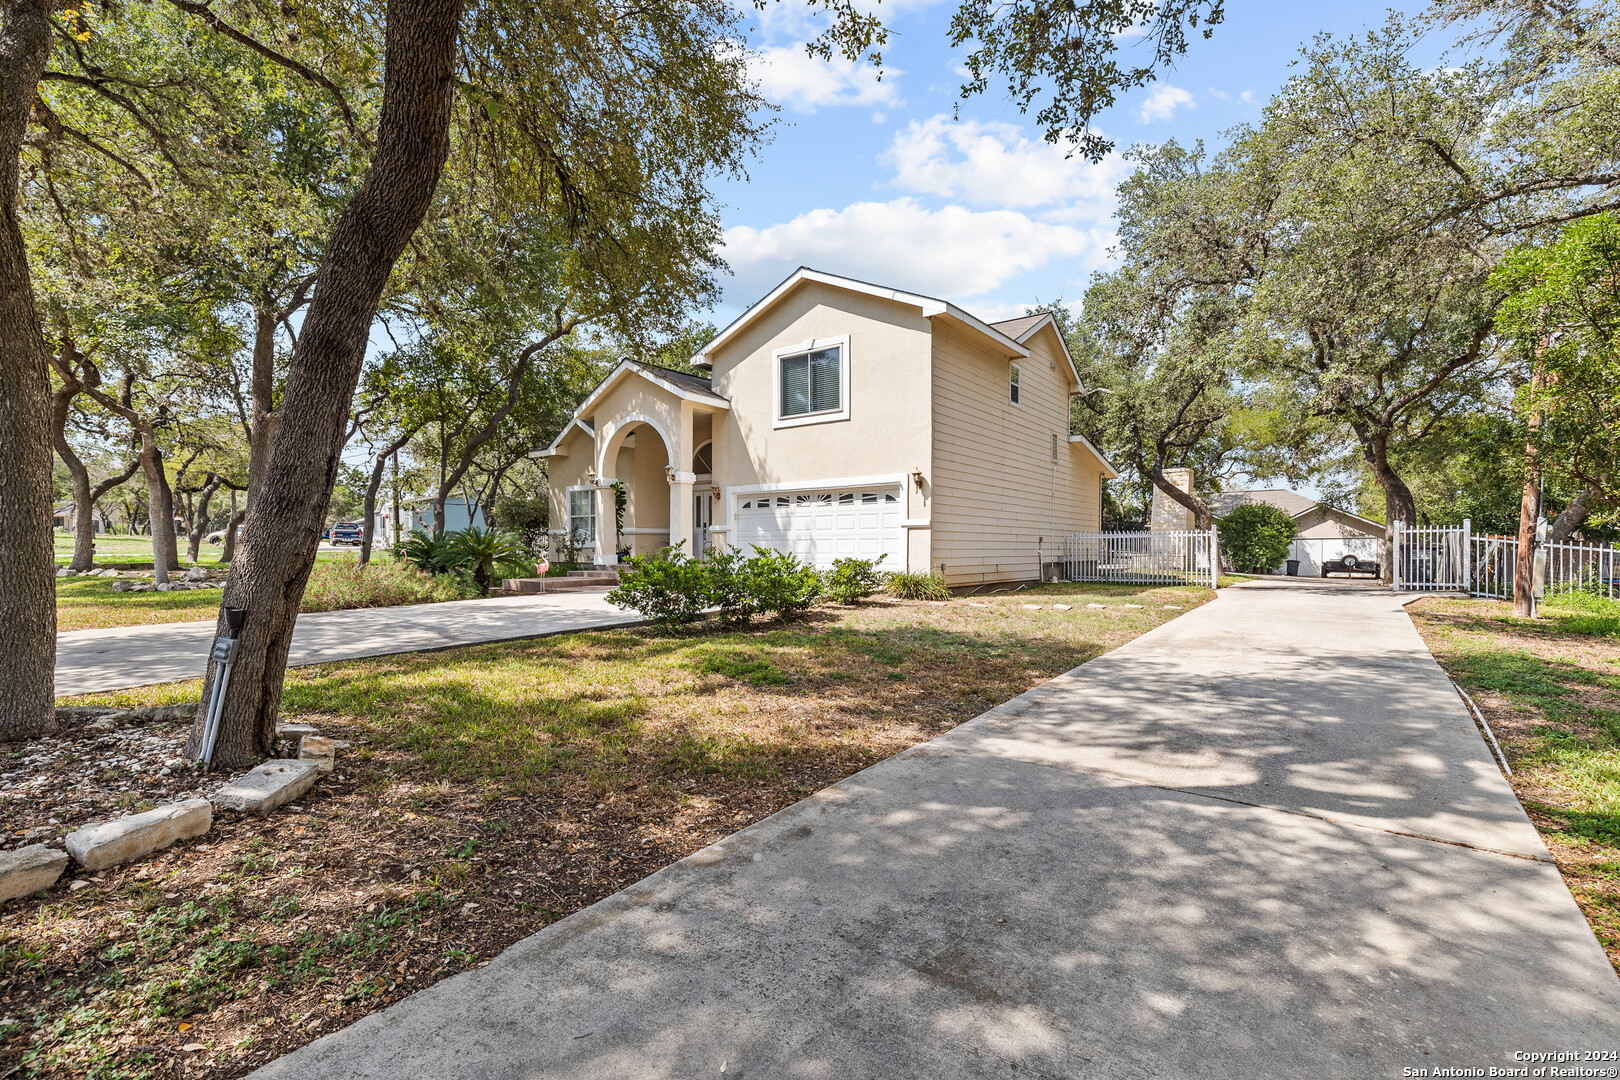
(812, 382)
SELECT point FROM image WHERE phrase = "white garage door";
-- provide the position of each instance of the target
(820, 526)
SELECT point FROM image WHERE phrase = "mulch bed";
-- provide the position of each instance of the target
(234, 949)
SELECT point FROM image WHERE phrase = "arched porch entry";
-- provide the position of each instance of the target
(636, 456)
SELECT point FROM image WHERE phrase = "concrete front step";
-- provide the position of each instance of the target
(586, 579)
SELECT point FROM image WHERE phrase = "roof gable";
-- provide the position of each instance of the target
(1291, 503)
(1024, 328)
(931, 308)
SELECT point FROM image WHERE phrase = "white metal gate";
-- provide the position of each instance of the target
(1142, 558)
(1452, 558)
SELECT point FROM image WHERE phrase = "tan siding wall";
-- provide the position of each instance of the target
(888, 430)
(995, 492)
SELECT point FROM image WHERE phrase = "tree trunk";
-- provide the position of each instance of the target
(1524, 601)
(160, 498)
(262, 387)
(1399, 505)
(284, 529)
(375, 485)
(1573, 514)
(199, 518)
(228, 550)
(27, 568)
(84, 521)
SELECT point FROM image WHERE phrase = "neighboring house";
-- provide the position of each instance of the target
(417, 513)
(62, 518)
(841, 418)
(1324, 533)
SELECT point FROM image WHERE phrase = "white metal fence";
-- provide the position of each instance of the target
(1142, 558)
(1452, 558)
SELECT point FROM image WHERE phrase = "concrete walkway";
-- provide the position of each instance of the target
(1263, 840)
(90, 661)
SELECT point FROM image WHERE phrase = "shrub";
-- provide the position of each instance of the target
(423, 551)
(478, 552)
(850, 580)
(529, 518)
(917, 587)
(670, 587)
(774, 582)
(343, 583)
(1255, 538)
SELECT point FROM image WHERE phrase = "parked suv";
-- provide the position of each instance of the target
(347, 532)
(1349, 564)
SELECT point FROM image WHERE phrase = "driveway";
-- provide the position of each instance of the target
(1263, 840)
(89, 661)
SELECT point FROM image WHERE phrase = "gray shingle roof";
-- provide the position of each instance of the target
(1015, 328)
(1291, 503)
(686, 380)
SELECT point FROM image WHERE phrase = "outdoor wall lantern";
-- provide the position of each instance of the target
(669, 474)
(917, 478)
(715, 491)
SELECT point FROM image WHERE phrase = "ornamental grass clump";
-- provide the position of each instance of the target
(917, 587)
(344, 583)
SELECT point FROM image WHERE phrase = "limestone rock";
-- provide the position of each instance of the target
(318, 749)
(30, 869)
(268, 785)
(123, 586)
(110, 843)
(196, 573)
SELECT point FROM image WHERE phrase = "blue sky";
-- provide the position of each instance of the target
(875, 179)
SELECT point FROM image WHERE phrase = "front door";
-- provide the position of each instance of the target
(702, 518)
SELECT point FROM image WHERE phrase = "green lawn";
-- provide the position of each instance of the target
(90, 603)
(111, 549)
(1550, 688)
(488, 792)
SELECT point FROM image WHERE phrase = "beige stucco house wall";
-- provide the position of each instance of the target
(924, 452)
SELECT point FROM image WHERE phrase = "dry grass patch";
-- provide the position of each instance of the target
(490, 791)
(1550, 688)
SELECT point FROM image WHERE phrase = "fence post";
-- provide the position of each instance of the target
(1468, 557)
(1214, 559)
(1395, 555)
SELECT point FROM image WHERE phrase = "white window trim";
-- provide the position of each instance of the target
(1015, 376)
(568, 509)
(827, 416)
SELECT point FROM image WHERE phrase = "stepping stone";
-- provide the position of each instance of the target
(1096, 605)
(296, 731)
(1132, 605)
(96, 847)
(1060, 607)
(975, 603)
(30, 869)
(268, 786)
(1032, 607)
(1172, 607)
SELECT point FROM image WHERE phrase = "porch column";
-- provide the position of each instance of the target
(680, 511)
(607, 537)
(681, 481)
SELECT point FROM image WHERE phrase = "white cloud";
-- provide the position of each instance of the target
(803, 83)
(1218, 94)
(996, 165)
(1163, 102)
(952, 252)
(1247, 97)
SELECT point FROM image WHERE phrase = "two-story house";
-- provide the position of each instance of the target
(841, 418)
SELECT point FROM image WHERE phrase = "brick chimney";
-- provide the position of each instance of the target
(1168, 515)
